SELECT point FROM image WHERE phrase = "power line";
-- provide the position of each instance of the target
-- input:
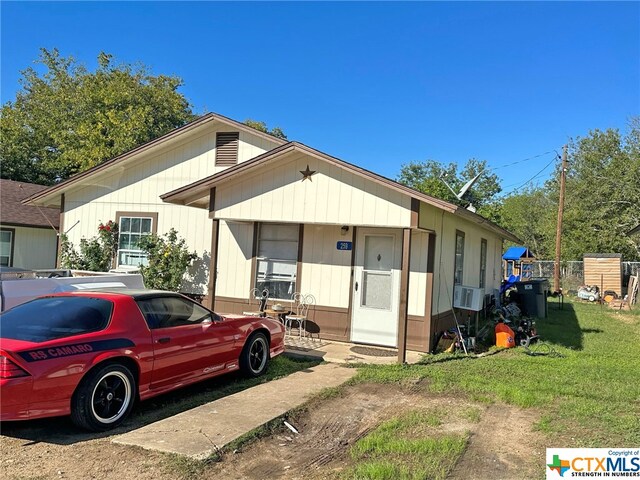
(517, 185)
(521, 161)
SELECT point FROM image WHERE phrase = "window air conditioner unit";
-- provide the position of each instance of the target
(468, 298)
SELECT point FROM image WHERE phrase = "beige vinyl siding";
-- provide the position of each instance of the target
(332, 196)
(34, 247)
(445, 225)
(326, 271)
(138, 188)
(418, 273)
(234, 259)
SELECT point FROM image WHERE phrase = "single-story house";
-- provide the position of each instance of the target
(380, 258)
(28, 233)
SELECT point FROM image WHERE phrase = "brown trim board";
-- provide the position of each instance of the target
(60, 230)
(299, 259)
(354, 236)
(323, 321)
(404, 295)
(213, 263)
(254, 256)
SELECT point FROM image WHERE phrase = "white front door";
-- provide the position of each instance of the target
(376, 286)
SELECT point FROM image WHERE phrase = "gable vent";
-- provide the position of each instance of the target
(227, 149)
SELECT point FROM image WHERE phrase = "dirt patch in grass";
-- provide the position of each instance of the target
(501, 442)
(503, 445)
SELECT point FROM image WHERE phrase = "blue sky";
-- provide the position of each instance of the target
(376, 84)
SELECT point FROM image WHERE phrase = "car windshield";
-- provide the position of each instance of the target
(49, 318)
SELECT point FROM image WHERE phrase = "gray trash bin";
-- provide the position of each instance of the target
(534, 297)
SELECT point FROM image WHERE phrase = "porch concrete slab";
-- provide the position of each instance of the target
(202, 431)
(342, 352)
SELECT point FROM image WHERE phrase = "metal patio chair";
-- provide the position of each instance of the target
(300, 305)
(257, 309)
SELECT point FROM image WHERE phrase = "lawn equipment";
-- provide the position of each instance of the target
(589, 292)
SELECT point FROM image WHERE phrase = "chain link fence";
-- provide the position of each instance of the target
(572, 272)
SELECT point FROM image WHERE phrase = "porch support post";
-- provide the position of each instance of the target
(213, 261)
(404, 296)
(60, 233)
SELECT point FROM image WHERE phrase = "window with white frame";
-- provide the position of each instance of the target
(131, 229)
(459, 260)
(277, 256)
(6, 248)
(483, 263)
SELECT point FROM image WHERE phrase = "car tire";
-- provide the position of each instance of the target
(254, 358)
(104, 398)
(592, 298)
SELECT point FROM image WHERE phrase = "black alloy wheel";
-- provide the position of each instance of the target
(255, 355)
(103, 398)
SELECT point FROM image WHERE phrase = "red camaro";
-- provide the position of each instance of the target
(91, 354)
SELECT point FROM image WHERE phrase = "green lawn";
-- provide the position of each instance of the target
(590, 397)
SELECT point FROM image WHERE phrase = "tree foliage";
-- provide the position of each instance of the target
(427, 177)
(68, 119)
(262, 127)
(602, 200)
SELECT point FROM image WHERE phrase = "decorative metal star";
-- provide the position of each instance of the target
(307, 174)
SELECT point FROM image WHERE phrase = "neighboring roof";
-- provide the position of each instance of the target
(634, 230)
(517, 253)
(602, 255)
(13, 212)
(196, 190)
(172, 135)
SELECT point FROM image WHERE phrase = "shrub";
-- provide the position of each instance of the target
(97, 254)
(168, 259)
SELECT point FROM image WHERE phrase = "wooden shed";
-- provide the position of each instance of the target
(604, 270)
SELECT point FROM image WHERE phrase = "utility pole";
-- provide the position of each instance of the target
(563, 173)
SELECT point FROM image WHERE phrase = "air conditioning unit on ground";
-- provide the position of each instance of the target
(468, 298)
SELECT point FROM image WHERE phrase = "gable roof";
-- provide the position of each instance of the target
(174, 134)
(197, 191)
(13, 212)
(516, 253)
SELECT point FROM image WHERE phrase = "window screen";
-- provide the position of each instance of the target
(277, 259)
(483, 263)
(6, 242)
(459, 260)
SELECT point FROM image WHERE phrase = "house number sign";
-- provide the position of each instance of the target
(345, 245)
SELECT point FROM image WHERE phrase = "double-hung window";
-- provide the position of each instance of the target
(483, 263)
(459, 260)
(132, 227)
(6, 247)
(277, 256)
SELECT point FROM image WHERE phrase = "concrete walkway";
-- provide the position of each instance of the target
(203, 430)
(342, 352)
